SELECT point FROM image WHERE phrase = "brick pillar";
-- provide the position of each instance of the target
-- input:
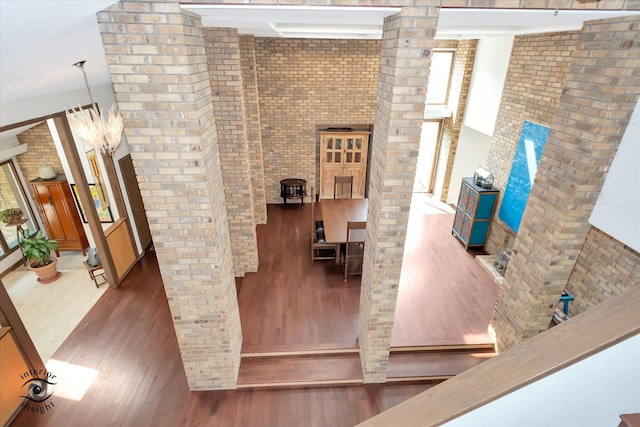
(404, 64)
(600, 93)
(158, 64)
(253, 124)
(223, 54)
(460, 79)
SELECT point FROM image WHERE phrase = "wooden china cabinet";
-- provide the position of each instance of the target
(343, 153)
(59, 213)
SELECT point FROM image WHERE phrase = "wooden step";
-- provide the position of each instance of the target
(432, 365)
(300, 370)
(479, 347)
(298, 349)
(339, 366)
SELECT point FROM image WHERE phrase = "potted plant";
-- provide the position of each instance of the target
(10, 215)
(37, 249)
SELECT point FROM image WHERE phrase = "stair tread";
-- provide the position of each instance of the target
(475, 341)
(270, 370)
(287, 370)
(434, 364)
(434, 348)
(290, 349)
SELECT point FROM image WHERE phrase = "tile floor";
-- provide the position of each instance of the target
(50, 312)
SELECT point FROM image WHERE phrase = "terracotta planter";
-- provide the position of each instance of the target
(48, 273)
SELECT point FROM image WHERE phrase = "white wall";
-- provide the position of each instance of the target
(487, 81)
(10, 147)
(27, 109)
(473, 151)
(617, 210)
(590, 393)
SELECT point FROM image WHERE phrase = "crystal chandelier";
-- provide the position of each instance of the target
(90, 124)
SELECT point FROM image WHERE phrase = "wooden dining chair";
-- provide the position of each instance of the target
(354, 248)
(320, 250)
(343, 187)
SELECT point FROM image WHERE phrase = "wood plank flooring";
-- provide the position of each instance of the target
(445, 298)
(291, 302)
(123, 364)
(126, 350)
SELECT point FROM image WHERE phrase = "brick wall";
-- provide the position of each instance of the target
(304, 83)
(400, 108)
(252, 124)
(223, 55)
(535, 78)
(158, 64)
(601, 89)
(41, 151)
(605, 268)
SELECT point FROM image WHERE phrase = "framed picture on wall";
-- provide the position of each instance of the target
(104, 214)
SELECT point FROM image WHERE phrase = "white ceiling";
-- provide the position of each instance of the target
(41, 39)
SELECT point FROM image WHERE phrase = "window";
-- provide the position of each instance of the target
(439, 77)
(12, 196)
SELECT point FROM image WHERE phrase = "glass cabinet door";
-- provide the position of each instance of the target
(333, 147)
(353, 152)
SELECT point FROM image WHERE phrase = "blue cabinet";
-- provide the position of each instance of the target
(474, 213)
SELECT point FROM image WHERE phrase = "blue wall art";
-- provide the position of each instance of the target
(523, 171)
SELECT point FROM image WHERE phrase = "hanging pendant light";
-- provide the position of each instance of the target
(90, 124)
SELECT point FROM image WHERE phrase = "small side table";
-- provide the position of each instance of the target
(293, 188)
(94, 276)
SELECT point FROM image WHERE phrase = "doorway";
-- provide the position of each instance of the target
(427, 156)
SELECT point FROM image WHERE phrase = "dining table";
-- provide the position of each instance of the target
(335, 215)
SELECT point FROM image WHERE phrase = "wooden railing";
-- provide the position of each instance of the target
(582, 336)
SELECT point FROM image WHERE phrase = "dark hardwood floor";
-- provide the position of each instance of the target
(121, 366)
(124, 355)
(292, 303)
(445, 298)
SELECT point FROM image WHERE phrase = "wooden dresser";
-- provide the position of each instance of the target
(59, 213)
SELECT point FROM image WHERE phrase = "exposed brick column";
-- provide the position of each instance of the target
(223, 55)
(406, 51)
(600, 93)
(158, 64)
(460, 79)
(253, 124)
